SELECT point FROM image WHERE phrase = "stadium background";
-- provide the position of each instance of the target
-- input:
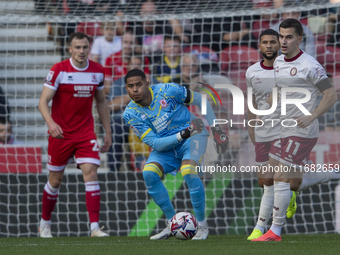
(31, 38)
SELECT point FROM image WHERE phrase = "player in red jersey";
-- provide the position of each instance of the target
(72, 84)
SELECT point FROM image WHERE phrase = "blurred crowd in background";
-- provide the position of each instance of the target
(186, 51)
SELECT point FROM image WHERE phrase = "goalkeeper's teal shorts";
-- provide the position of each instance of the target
(190, 149)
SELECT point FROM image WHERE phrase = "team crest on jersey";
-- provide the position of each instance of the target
(49, 76)
(293, 71)
(135, 130)
(163, 103)
(94, 78)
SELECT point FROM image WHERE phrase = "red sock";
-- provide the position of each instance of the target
(49, 200)
(93, 200)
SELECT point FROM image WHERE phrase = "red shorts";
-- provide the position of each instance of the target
(265, 149)
(295, 150)
(62, 151)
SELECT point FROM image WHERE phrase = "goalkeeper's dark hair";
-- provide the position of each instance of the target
(77, 35)
(269, 32)
(3, 120)
(288, 23)
(134, 73)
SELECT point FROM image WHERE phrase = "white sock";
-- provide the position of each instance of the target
(259, 228)
(266, 207)
(276, 229)
(44, 223)
(202, 223)
(281, 202)
(94, 225)
(50, 190)
(311, 179)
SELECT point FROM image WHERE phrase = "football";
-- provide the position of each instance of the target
(184, 226)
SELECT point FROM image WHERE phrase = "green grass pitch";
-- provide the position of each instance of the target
(320, 244)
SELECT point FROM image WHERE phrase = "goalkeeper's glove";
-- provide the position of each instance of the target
(221, 140)
(195, 127)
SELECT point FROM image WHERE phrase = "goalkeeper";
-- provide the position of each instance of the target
(159, 116)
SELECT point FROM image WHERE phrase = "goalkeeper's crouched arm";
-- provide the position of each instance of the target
(166, 143)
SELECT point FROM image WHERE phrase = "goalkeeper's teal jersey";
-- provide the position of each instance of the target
(166, 115)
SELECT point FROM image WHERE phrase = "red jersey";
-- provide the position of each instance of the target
(72, 102)
(115, 68)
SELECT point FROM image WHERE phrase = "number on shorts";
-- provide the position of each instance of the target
(297, 145)
(95, 146)
(278, 143)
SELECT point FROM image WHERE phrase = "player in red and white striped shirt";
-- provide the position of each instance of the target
(72, 84)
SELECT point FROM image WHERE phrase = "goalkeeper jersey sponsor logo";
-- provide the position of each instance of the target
(161, 123)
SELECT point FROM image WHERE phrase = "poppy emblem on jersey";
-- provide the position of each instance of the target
(49, 76)
(163, 103)
(293, 71)
(94, 78)
(320, 72)
(135, 130)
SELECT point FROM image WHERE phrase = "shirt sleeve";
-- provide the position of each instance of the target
(101, 82)
(147, 136)
(248, 80)
(160, 143)
(179, 93)
(316, 73)
(52, 79)
(136, 125)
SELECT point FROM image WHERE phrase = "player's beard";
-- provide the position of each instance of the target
(139, 101)
(269, 57)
